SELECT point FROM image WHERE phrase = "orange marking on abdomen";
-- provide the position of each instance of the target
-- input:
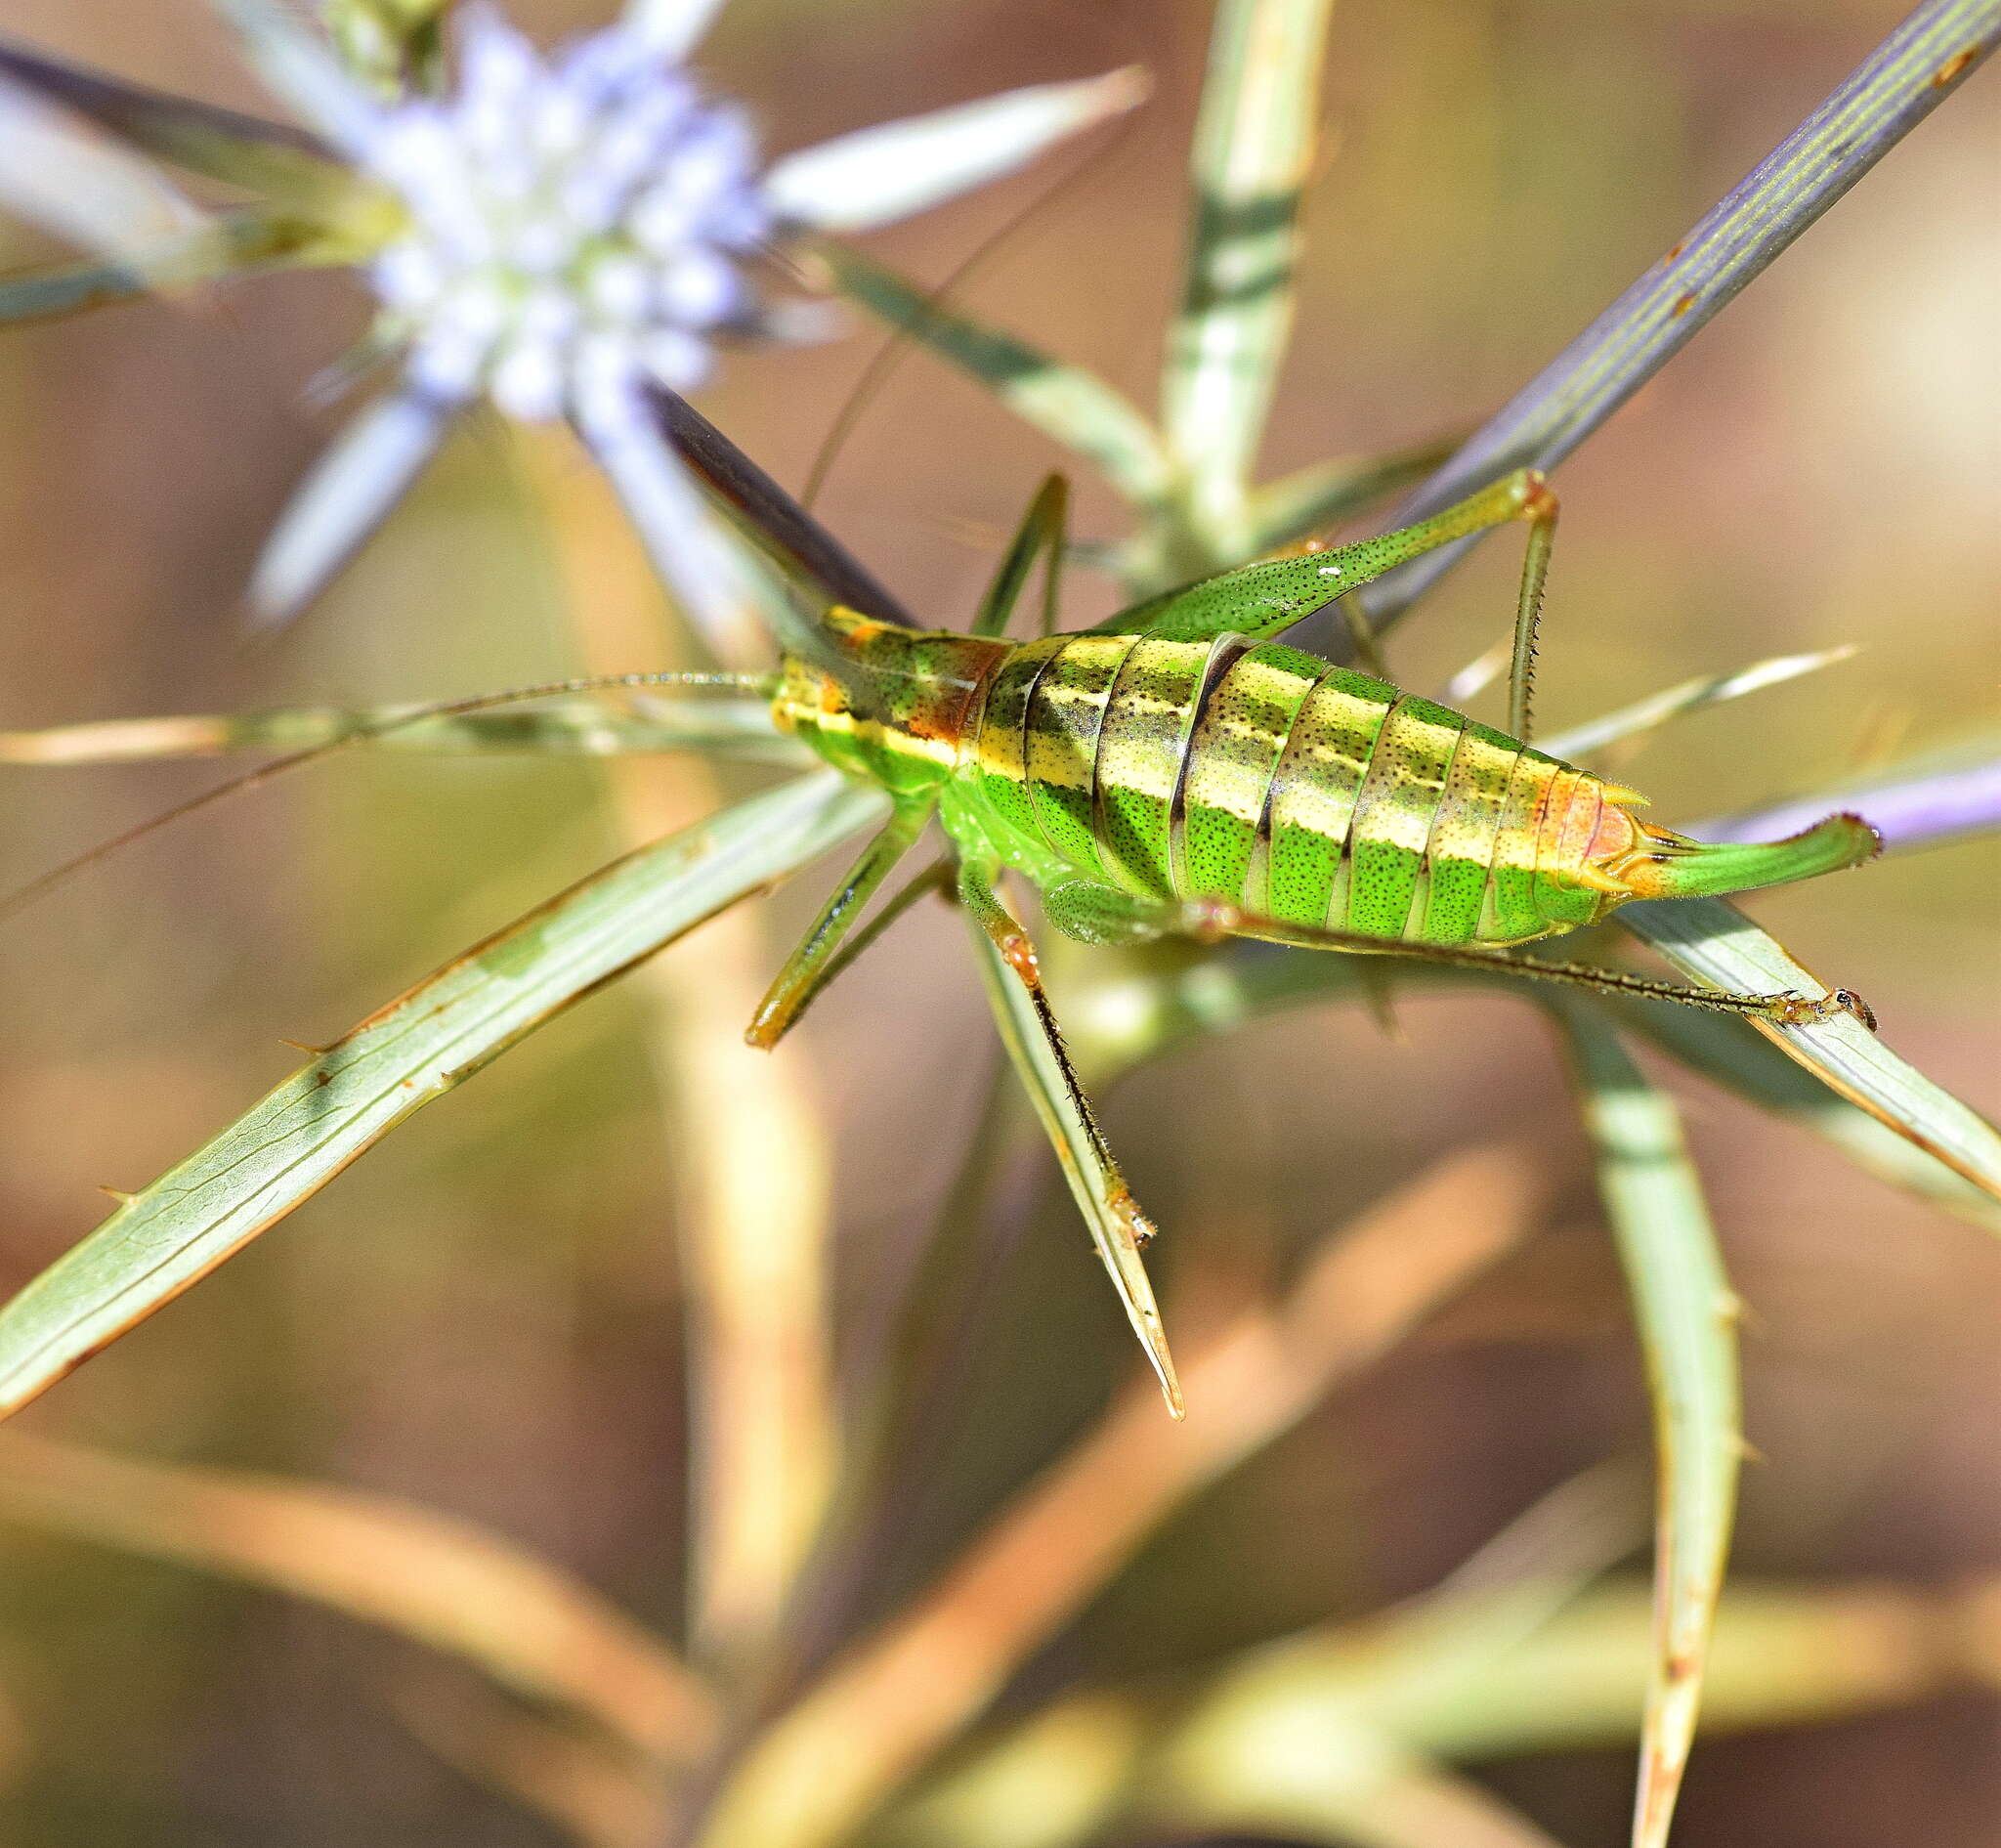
(1617, 833)
(1582, 819)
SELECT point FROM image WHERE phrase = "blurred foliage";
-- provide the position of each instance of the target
(484, 1318)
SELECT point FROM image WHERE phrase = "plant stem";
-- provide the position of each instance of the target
(1887, 95)
(749, 1149)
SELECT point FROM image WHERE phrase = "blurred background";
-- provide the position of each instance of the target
(483, 1315)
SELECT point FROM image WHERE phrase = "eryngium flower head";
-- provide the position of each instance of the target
(568, 233)
(576, 224)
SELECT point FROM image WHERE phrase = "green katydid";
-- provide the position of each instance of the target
(1177, 772)
(1174, 771)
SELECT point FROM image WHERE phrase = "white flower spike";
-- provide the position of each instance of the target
(578, 230)
(304, 70)
(875, 175)
(60, 173)
(671, 27)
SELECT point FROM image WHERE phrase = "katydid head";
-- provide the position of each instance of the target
(926, 688)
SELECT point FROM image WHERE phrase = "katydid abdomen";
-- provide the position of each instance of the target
(1274, 781)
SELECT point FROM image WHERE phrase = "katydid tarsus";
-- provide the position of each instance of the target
(1177, 772)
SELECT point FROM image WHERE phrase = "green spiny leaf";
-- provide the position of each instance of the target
(1177, 996)
(422, 1045)
(1686, 1315)
(1253, 152)
(1646, 715)
(1729, 1052)
(1069, 405)
(1710, 940)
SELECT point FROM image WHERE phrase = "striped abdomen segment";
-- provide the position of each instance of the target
(1297, 790)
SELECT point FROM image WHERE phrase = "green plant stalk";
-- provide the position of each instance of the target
(447, 1584)
(1251, 156)
(1783, 1654)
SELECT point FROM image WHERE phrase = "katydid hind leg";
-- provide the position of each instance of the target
(1263, 600)
(1782, 1010)
(1540, 510)
(816, 962)
(1035, 1044)
(1087, 912)
(1362, 635)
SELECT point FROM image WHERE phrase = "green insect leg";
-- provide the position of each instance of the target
(1368, 646)
(1263, 600)
(1089, 913)
(815, 963)
(1540, 510)
(1792, 1010)
(1018, 951)
(1035, 1044)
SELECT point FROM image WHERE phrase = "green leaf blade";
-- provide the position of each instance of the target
(290, 1145)
(1691, 696)
(1686, 1315)
(742, 729)
(1729, 1052)
(1712, 941)
(1067, 403)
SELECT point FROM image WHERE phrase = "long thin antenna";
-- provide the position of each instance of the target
(23, 896)
(894, 349)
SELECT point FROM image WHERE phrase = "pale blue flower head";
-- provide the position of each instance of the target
(576, 224)
(577, 229)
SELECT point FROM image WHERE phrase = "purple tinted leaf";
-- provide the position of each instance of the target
(1911, 811)
(1887, 95)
